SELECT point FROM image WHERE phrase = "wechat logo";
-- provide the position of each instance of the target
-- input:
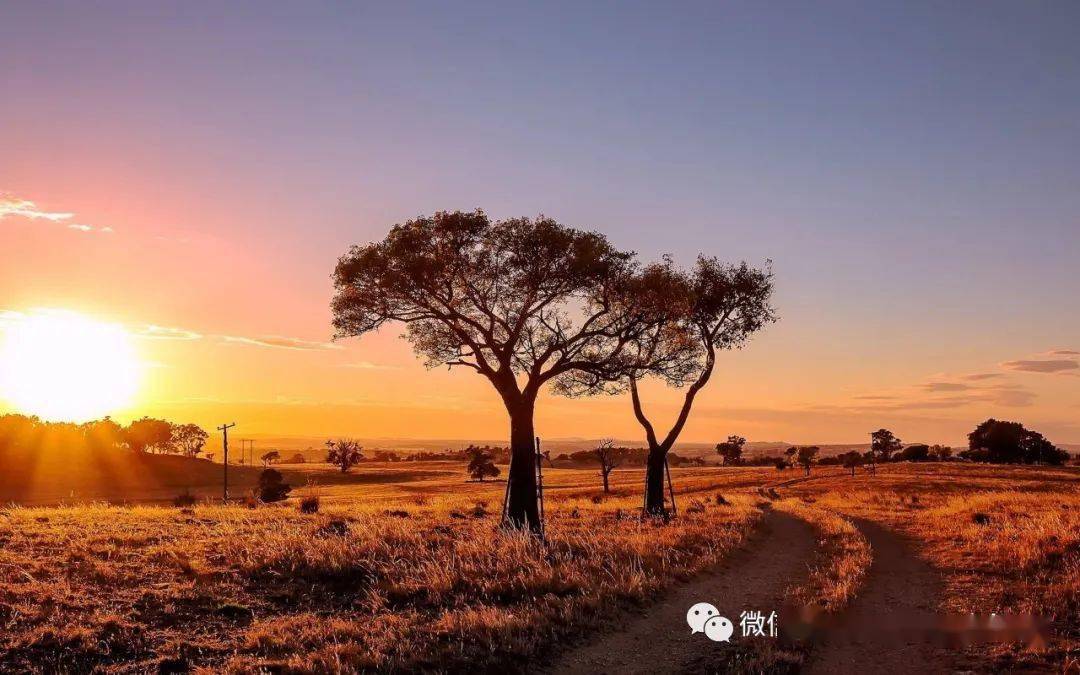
(704, 618)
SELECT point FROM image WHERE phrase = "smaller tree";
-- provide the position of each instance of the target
(189, 439)
(298, 458)
(731, 450)
(941, 453)
(343, 453)
(852, 460)
(149, 434)
(790, 455)
(270, 457)
(883, 444)
(781, 463)
(481, 463)
(608, 457)
(920, 452)
(807, 455)
(272, 487)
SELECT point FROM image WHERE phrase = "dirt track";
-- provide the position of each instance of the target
(881, 630)
(658, 639)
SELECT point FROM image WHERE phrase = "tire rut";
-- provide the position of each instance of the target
(657, 638)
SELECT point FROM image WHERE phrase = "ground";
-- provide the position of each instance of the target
(404, 568)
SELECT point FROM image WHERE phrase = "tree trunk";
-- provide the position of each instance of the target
(655, 505)
(606, 488)
(523, 507)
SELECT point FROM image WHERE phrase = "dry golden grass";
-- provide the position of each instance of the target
(1005, 539)
(399, 577)
(840, 563)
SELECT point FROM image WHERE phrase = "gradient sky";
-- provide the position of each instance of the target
(913, 170)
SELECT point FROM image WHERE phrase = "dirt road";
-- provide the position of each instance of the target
(658, 638)
(882, 630)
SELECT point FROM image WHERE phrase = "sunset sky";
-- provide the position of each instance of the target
(192, 172)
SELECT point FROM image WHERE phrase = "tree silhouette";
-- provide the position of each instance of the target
(523, 302)
(1004, 442)
(807, 455)
(883, 444)
(608, 457)
(270, 457)
(731, 449)
(189, 439)
(713, 307)
(852, 460)
(149, 434)
(343, 453)
(481, 463)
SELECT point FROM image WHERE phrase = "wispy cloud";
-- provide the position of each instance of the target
(15, 207)
(368, 365)
(945, 386)
(978, 377)
(1063, 352)
(1041, 366)
(279, 342)
(167, 333)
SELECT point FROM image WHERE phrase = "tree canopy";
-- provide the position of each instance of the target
(1004, 442)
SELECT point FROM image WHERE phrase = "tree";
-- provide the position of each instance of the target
(731, 450)
(883, 443)
(609, 459)
(481, 463)
(807, 454)
(523, 302)
(919, 452)
(189, 439)
(149, 434)
(693, 315)
(1004, 442)
(790, 455)
(270, 457)
(852, 460)
(102, 434)
(272, 487)
(941, 453)
(298, 458)
(343, 453)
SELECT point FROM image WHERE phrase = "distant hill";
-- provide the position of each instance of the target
(113, 475)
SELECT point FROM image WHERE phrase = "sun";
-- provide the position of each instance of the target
(64, 366)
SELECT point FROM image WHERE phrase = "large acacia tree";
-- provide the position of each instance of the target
(522, 302)
(715, 306)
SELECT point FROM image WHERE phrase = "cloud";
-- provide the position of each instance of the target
(11, 206)
(978, 377)
(945, 386)
(1042, 366)
(167, 333)
(1063, 352)
(24, 208)
(368, 365)
(279, 342)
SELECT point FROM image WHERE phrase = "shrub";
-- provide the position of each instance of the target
(272, 487)
(309, 504)
(184, 500)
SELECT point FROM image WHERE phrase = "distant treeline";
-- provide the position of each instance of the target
(145, 435)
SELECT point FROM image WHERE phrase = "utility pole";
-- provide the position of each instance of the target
(224, 429)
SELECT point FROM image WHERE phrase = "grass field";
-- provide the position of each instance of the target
(404, 566)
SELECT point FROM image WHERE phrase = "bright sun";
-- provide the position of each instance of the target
(62, 365)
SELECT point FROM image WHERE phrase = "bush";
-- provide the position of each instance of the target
(184, 500)
(272, 487)
(309, 504)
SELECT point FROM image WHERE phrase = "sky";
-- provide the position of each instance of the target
(192, 171)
